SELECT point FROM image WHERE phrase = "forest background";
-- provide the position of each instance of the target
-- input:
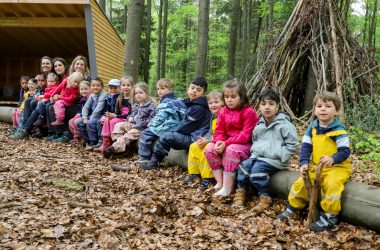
(224, 39)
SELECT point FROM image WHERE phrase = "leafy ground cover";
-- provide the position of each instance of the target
(60, 196)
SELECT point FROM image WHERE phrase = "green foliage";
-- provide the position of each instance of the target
(367, 146)
(364, 113)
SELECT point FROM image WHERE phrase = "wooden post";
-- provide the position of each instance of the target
(313, 196)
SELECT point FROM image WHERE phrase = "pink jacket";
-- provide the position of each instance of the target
(235, 126)
(49, 90)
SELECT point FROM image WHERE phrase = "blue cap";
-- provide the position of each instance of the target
(114, 82)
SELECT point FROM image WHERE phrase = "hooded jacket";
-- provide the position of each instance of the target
(276, 143)
(197, 118)
(234, 126)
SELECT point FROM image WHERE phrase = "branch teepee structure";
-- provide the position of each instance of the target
(314, 53)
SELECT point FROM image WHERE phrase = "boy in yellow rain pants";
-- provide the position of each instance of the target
(325, 141)
(197, 163)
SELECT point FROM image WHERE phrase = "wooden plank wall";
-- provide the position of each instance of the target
(109, 48)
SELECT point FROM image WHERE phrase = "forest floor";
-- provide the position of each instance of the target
(58, 196)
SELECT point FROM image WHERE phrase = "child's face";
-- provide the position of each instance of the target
(79, 66)
(59, 68)
(74, 82)
(84, 90)
(126, 87)
(268, 108)
(162, 91)
(231, 98)
(325, 111)
(32, 86)
(24, 84)
(96, 87)
(195, 91)
(46, 65)
(215, 104)
(113, 90)
(140, 95)
(51, 81)
(41, 82)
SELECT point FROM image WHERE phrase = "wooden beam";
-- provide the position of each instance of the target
(55, 1)
(42, 22)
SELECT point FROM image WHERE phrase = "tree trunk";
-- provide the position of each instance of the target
(159, 42)
(233, 38)
(244, 42)
(269, 43)
(366, 17)
(124, 22)
(133, 37)
(102, 4)
(164, 36)
(256, 35)
(111, 11)
(203, 21)
(372, 28)
(146, 65)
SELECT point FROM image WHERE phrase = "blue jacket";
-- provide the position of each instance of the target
(169, 113)
(95, 105)
(197, 118)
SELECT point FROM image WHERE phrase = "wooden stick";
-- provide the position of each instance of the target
(10, 204)
(77, 204)
(314, 196)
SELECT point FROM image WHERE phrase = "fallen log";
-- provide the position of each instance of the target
(360, 202)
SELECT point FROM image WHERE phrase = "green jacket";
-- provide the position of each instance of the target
(276, 143)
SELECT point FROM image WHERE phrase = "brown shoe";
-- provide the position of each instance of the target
(239, 198)
(264, 203)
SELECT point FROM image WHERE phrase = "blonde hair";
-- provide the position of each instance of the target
(215, 93)
(165, 83)
(73, 76)
(86, 71)
(87, 83)
(328, 96)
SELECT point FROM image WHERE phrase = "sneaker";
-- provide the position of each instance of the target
(289, 212)
(52, 137)
(12, 131)
(65, 137)
(192, 178)
(143, 160)
(326, 221)
(206, 183)
(58, 123)
(20, 134)
(37, 133)
(89, 146)
(40, 121)
(99, 144)
(152, 164)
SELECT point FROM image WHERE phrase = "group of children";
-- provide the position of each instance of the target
(227, 142)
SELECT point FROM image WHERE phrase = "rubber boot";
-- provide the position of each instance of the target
(218, 175)
(107, 141)
(264, 203)
(239, 198)
(228, 184)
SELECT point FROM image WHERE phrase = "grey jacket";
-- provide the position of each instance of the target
(276, 143)
(95, 105)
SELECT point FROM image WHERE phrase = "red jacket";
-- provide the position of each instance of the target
(235, 126)
(69, 94)
(49, 90)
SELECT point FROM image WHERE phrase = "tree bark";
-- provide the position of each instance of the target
(244, 42)
(159, 41)
(102, 4)
(133, 37)
(146, 65)
(256, 35)
(111, 11)
(313, 195)
(164, 37)
(203, 21)
(233, 38)
(372, 28)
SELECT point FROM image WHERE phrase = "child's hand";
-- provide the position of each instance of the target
(55, 97)
(85, 120)
(303, 169)
(326, 161)
(201, 142)
(102, 119)
(219, 147)
(110, 115)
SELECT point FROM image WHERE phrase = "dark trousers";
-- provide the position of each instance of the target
(171, 140)
(257, 173)
(39, 110)
(91, 130)
(29, 106)
(146, 141)
(70, 112)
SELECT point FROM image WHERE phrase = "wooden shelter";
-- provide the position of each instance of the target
(30, 29)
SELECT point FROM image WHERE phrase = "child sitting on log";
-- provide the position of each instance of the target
(22, 96)
(326, 142)
(197, 164)
(274, 141)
